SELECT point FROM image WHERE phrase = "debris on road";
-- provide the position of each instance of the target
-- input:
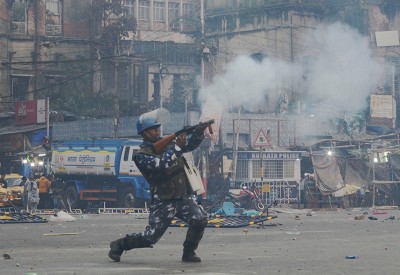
(59, 234)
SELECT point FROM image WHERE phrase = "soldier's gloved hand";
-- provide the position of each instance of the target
(200, 129)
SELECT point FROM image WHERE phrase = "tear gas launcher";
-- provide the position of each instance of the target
(165, 141)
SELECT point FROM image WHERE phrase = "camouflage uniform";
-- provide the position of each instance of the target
(171, 197)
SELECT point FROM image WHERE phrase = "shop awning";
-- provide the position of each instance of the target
(20, 129)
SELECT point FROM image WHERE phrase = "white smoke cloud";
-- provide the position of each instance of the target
(344, 74)
(247, 82)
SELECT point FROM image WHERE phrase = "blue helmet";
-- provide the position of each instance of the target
(145, 122)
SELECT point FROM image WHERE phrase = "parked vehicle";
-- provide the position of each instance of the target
(5, 197)
(247, 198)
(13, 182)
(99, 171)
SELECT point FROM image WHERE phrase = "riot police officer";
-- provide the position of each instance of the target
(170, 191)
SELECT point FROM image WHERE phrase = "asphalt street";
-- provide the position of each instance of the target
(297, 242)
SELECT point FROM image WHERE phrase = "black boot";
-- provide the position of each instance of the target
(190, 257)
(116, 250)
(127, 243)
(193, 237)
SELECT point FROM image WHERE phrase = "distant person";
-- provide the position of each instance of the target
(44, 187)
(33, 195)
(3, 181)
(24, 183)
(57, 193)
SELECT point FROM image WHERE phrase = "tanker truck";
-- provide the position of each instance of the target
(94, 171)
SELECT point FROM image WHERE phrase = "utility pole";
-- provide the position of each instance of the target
(36, 47)
(116, 102)
(161, 84)
(235, 152)
(202, 40)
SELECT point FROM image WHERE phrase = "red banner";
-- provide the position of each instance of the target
(30, 112)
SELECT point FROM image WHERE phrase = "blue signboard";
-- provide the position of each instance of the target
(272, 155)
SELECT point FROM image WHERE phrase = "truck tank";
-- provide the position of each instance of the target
(99, 170)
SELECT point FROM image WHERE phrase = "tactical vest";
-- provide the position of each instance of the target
(169, 184)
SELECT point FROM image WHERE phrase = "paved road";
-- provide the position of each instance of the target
(316, 244)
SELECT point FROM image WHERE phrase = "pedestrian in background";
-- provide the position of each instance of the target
(57, 193)
(24, 183)
(44, 187)
(33, 195)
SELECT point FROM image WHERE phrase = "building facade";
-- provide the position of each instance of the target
(134, 54)
(51, 47)
(288, 31)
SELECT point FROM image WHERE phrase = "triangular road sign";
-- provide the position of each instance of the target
(261, 140)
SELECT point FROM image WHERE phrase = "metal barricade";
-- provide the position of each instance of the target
(138, 212)
(281, 191)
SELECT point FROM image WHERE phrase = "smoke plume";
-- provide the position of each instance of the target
(342, 75)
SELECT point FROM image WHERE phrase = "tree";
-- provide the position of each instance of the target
(114, 20)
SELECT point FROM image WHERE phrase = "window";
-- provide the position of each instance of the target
(273, 169)
(256, 169)
(288, 169)
(18, 17)
(159, 11)
(278, 169)
(144, 8)
(130, 8)
(133, 156)
(187, 9)
(20, 86)
(245, 4)
(126, 153)
(242, 170)
(173, 12)
(168, 53)
(53, 7)
(53, 17)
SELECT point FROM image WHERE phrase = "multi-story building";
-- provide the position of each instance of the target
(135, 54)
(49, 48)
(291, 31)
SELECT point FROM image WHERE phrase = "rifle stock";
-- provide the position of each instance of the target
(165, 141)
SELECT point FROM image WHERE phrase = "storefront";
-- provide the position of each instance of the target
(21, 150)
(276, 172)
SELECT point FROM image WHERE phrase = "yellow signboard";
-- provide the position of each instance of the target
(266, 188)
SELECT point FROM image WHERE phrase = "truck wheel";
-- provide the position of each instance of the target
(127, 198)
(71, 197)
